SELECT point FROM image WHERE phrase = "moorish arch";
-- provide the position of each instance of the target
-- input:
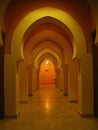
(45, 51)
(48, 44)
(33, 47)
(43, 54)
(61, 73)
(48, 23)
(32, 68)
(48, 35)
(79, 51)
(49, 55)
(47, 71)
(79, 42)
(49, 39)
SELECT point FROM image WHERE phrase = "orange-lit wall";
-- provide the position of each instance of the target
(47, 73)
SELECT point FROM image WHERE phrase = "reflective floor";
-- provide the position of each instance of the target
(49, 109)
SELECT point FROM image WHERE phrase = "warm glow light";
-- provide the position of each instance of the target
(47, 106)
(47, 61)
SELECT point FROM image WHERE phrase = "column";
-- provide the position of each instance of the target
(11, 87)
(2, 82)
(23, 82)
(34, 79)
(37, 78)
(85, 89)
(65, 69)
(57, 77)
(61, 79)
(30, 70)
(73, 82)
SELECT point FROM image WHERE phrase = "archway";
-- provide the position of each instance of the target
(79, 51)
(55, 62)
(46, 73)
(79, 42)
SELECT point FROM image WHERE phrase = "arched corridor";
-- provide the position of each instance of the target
(49, 62)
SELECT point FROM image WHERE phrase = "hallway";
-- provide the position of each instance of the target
(49, 109)
(59, 33)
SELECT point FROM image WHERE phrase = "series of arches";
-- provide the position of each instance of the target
(57, 14)
(69, 54)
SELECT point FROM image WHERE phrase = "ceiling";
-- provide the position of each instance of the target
(39, 29)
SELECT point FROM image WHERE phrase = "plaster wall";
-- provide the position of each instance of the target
(47, 73)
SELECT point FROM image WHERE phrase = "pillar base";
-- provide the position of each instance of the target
(86, 115)
(30, 95)
(23, 101)
(65, 94)
(73, 101)
(11, 116)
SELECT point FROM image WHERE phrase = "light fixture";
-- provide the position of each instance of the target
(47, 61)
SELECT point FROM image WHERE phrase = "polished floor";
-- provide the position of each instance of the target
(49, 109)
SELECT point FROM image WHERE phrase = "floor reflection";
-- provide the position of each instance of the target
(49, 109)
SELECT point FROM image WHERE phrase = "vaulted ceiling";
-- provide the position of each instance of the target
(47, 35)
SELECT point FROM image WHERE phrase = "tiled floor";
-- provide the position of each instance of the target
(49, 109)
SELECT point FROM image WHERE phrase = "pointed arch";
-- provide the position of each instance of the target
(79, 42)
